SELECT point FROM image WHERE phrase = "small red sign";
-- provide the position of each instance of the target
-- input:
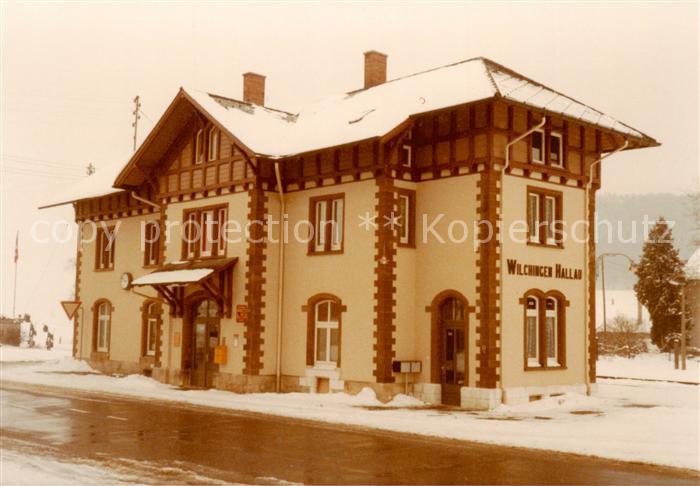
(70, 307)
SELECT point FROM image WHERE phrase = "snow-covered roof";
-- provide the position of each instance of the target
(359, 115)
(692, 268)
(374, 112)
(98, 184)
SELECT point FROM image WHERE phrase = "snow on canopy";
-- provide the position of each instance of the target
(173, 276)
(692, 268)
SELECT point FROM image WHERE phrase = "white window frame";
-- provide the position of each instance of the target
(542, 148)
(530, 313)
(103, 323)
(192, 232)
(409, 156)
(533, 217)
(550, 219)
(337, 213)
(213, 145)
(206, 241)
(152, 246)
(560, 155)
(221, 218)
(327, 327)
(199, 147)
(321, 212)
(405, 220)
(553, 314)
(151, 323)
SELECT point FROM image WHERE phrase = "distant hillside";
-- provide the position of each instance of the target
(630, 212)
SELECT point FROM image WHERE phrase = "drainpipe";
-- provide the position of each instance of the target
(503, 172)
(280, 280)
(589, 183)
(145, 201)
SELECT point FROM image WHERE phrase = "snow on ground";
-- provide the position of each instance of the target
(653, 422)
(15, 354)
(18, 468)
(648, 366)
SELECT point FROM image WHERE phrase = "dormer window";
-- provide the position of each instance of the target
(199, 147)
(213, 144)
(537, 150)
(556, 157)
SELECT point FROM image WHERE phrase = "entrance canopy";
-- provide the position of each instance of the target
(214, 276)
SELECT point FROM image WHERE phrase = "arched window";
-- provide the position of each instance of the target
(452, 310)
(151, 326)
(545, 330)
(102, 324)
(532, 332)
(551, 331)
(213, 144)
(327, 336)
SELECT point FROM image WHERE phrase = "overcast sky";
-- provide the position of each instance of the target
(70, 72)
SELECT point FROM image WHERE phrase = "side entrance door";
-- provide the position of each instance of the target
(453, 352)
(205, 337)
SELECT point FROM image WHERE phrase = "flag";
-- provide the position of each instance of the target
(17, 247)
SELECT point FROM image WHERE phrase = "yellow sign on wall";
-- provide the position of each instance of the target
(221, 354)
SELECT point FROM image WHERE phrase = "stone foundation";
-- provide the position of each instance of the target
(428, 392)
(518, 395)
(244, 383)
(480, 398)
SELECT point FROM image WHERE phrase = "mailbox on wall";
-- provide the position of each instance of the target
(406, 366)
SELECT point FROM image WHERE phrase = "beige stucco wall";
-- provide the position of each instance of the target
(433, 267)
(514, 287)
(125, 339)
(237, 211)
(349, 276)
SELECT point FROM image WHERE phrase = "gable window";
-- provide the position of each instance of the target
(406, 203)
(199, 147)
(213, 144)
(537, 146)
(203, 234)
(406, 156)
(151, 325)
(105, 241)
(327, 216)
(544, 216)
(327, 341)
(102, 312)
(544, 329)
(556, 156)
(151, 244)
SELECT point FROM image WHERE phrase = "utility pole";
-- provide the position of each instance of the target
(602, 277)
(682, 287)
(14, 291)
(137, 110)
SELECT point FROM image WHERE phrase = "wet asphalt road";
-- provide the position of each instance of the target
(163, 443)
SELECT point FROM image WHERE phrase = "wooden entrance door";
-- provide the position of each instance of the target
(453, 359)
(205, 337)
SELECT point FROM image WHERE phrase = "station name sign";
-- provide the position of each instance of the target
(546, 271)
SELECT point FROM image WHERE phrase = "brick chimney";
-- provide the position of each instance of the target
(254, 88)
(375, 68)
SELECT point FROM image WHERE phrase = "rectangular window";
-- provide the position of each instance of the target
(544, 216)
(105, 241)
(327, 214)
(202, 235)
(550, 204)
(151, 336)
(406, 156)
(533, 217)
(213, 144)
(199, 147)
(537, 151)
(151, 244)
(406, 224)
(556, 156)
(544, 332)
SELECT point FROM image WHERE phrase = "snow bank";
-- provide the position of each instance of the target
(16, 354)
(649, 366)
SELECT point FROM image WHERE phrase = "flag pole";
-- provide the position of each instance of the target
(14, 291)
